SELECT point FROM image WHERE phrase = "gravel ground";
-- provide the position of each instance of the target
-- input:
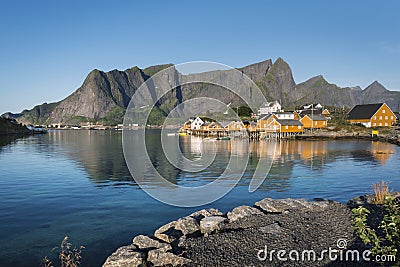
(238, 243)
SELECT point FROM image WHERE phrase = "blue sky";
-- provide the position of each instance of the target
(48, 47)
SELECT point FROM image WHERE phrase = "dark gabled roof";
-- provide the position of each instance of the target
(315, 111)
(362, 112)
(264, 116)
(290, 122)
(282, 112)
(317, 118)
(224, 124)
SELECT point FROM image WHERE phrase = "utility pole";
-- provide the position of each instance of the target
(312, 117)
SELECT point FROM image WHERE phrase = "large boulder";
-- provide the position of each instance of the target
(211, 224)
(127, 256)
(188, 226)
(146, 243)
(241, 212)
(198, 215)
(159, 257)
(168, 233)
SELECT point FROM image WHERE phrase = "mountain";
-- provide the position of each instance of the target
(10, 126)
(104, 96)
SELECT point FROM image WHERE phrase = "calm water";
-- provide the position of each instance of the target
(76, 183)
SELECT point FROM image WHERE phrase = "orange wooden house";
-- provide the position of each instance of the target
(314, 121)
(372, 115)
(270, 123)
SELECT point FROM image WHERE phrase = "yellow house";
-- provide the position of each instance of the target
(372, 115)
(291, 126)
(284, 126)
(325, 112)
(264, 120)
(314, 121)
(235, 126)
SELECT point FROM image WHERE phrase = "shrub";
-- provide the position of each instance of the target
(388, 242)
(381, 191)
(69, 257)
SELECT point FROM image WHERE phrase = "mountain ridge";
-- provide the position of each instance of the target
(104, 93)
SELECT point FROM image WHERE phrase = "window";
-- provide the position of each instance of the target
(386, 124)
(374, 124)
(287, 127)
(383, 111)
(316, 123)
(386, 117)
(380, 117)
(391, 117)
(299, 127)
(374, 117)
(265, 125)
(380, 124)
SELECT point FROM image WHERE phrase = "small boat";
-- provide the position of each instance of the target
(172, 134)
(182, 134)
(225, 138)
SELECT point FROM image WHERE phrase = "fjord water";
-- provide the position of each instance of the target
(76, 184)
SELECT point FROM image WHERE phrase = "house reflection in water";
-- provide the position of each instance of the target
(381, 151)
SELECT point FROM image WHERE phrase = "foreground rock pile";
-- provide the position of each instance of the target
(211, 238)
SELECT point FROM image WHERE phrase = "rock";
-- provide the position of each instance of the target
(159, 257)
(270, 205)
(273, 229)
(210, 224)
(127, 256)
(198, 215)
(241, 212)
(367, 200)
(187, 225)
(146, 243)
(168, 233)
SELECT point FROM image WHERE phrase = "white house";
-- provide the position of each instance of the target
(196, 123)
(284, 115)
(270, 107)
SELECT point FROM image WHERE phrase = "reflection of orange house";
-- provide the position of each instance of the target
(381, 151)
(314, 121)
(310, 149)
(372, 115)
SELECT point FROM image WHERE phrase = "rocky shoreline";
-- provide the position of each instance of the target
(393, 137)
(248, 236)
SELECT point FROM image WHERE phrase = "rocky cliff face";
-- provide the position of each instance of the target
(102, 92)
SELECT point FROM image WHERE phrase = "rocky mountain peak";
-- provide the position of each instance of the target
(375, 87)
(105, 94)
